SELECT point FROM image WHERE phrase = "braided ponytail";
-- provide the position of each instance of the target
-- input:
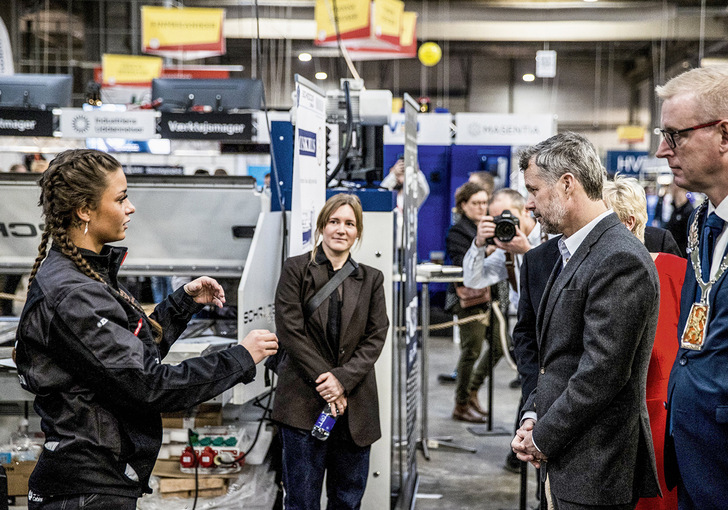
(76, 179)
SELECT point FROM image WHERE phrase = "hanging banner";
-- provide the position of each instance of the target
(135, 125)
(6, 51)
(26, 122)
(368, 24)
(237, 127)
(353, 18)
(187, 33)
(407, 47)
(130, 70)
(309, 165)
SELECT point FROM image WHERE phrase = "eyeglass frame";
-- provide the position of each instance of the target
(669, 136)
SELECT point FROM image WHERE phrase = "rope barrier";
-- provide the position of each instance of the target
(12, 297)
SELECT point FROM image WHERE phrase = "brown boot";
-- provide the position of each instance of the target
(475, 404)
(463, 412)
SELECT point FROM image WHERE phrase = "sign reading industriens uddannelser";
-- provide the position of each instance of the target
(134, 125)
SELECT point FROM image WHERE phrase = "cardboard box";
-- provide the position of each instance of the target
(207, 414)
(18, 474)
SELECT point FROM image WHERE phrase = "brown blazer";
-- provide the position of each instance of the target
(364, 325)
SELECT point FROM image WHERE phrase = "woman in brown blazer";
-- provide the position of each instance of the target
(331, 357)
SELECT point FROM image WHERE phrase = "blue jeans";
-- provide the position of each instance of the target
(305, 459)
(81, 502)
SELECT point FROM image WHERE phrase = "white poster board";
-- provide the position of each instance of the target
(309, 165)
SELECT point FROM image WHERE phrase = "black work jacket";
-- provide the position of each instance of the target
(90, 358)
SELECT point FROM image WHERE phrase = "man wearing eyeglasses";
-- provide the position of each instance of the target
(695, 145)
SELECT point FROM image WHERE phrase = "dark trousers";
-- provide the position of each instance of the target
(82, 501)
(305, 459)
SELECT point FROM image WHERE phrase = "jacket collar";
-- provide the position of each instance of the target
(106, 264)
(559, 278)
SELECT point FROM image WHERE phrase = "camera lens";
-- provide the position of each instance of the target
(505, 231)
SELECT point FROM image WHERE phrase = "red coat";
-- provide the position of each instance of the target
(671, 270)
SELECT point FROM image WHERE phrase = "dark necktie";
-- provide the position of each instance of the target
(711, 230)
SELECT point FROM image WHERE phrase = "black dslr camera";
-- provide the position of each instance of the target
(505, 227)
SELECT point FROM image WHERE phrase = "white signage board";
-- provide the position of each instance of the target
(6, 51)
(432, 129)
(134, 125)
(309, 165)
(503, 129)
(546, 64)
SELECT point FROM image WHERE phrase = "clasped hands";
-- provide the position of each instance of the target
(523, 446)
(332, 391)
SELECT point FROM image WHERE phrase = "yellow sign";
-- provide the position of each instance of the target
(187, 29)
(129, 69)
(352, 16)
(407, 35)
(388, 17)
(631, 133)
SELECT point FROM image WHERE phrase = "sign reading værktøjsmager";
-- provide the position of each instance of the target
(208, 126)
(22, 122)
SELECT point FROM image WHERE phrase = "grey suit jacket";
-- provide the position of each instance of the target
(596, 325)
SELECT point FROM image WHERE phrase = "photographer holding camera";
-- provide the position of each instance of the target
(503, 236)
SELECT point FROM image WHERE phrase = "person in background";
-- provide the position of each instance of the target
(682, 208)
(331, 351)
(202, 171)
(485, 179)
(471, 202)
(627, 198)
(18, 168)
(220, 171)
(93, 358)
(395, 181)
(694, 142)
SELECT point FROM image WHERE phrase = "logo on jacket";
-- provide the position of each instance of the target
(102, 322)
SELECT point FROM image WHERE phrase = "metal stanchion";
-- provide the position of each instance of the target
(425, 441)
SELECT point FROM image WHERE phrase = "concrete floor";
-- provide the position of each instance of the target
(455, 479)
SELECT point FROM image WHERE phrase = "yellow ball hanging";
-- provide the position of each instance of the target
(429, 54)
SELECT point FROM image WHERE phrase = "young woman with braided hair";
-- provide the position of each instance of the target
(92, 356)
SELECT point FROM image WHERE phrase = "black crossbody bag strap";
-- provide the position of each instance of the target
(272, 362)
(327, 289)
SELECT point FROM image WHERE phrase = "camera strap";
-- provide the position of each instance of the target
(511, 269)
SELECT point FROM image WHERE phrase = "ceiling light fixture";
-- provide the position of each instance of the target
(304, 57)
(321, 75)
(528, 77)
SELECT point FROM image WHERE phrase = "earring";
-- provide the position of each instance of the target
(85, 230)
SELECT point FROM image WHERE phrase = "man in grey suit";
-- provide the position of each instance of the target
(586, 422)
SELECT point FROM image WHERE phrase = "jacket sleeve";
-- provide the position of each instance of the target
(525, 345)
(620, 312)
(173, 314)
(371, 344)
(92, 337)
(290, 325)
